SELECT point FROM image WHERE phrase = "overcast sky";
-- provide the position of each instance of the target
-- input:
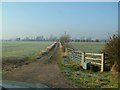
(87, 19)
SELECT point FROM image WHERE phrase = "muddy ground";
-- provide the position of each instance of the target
(40, 72)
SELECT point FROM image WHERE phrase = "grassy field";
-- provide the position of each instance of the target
(87, 78)
(16, 54)
(88, 46)
(91, 79)
(22, 49)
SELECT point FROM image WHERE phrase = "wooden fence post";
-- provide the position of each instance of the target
(102, 63)
(83, 58)
(65, 51)
(60, 45)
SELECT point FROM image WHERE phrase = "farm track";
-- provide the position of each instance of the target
(40, 72)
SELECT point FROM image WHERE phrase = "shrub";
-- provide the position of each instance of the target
(112, 52)
(64, 39)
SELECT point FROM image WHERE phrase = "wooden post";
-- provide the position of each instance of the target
(60, 45)
(66, 51)
(83, 58)
(102, 62)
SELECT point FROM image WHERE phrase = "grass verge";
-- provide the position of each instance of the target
(86, 78)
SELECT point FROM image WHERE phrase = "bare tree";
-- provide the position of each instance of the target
(64, 39)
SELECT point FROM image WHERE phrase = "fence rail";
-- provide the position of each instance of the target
(86, 57)
(93, 54)
(92, 58)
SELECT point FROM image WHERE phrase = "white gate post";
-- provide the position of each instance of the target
(102, 63)
(83, 58)
(65, 51)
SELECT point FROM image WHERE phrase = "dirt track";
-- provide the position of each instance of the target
(39, 72)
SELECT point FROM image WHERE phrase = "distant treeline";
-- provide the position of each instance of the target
(96, 40)
(71, 40)
(37, 38)
(53, 38)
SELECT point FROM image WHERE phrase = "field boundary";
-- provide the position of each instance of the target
(85, 57)
(10, 64)
(43, 52)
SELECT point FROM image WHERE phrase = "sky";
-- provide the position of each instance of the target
(78, 19)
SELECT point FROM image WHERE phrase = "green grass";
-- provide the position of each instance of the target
(94, 79)
(88, 46)
(87, 78)
(22, 49)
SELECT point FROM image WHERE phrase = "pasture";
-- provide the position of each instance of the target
(95, 47)
(21, 49)
(73, 71)
(15, 54)
(71, 67)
